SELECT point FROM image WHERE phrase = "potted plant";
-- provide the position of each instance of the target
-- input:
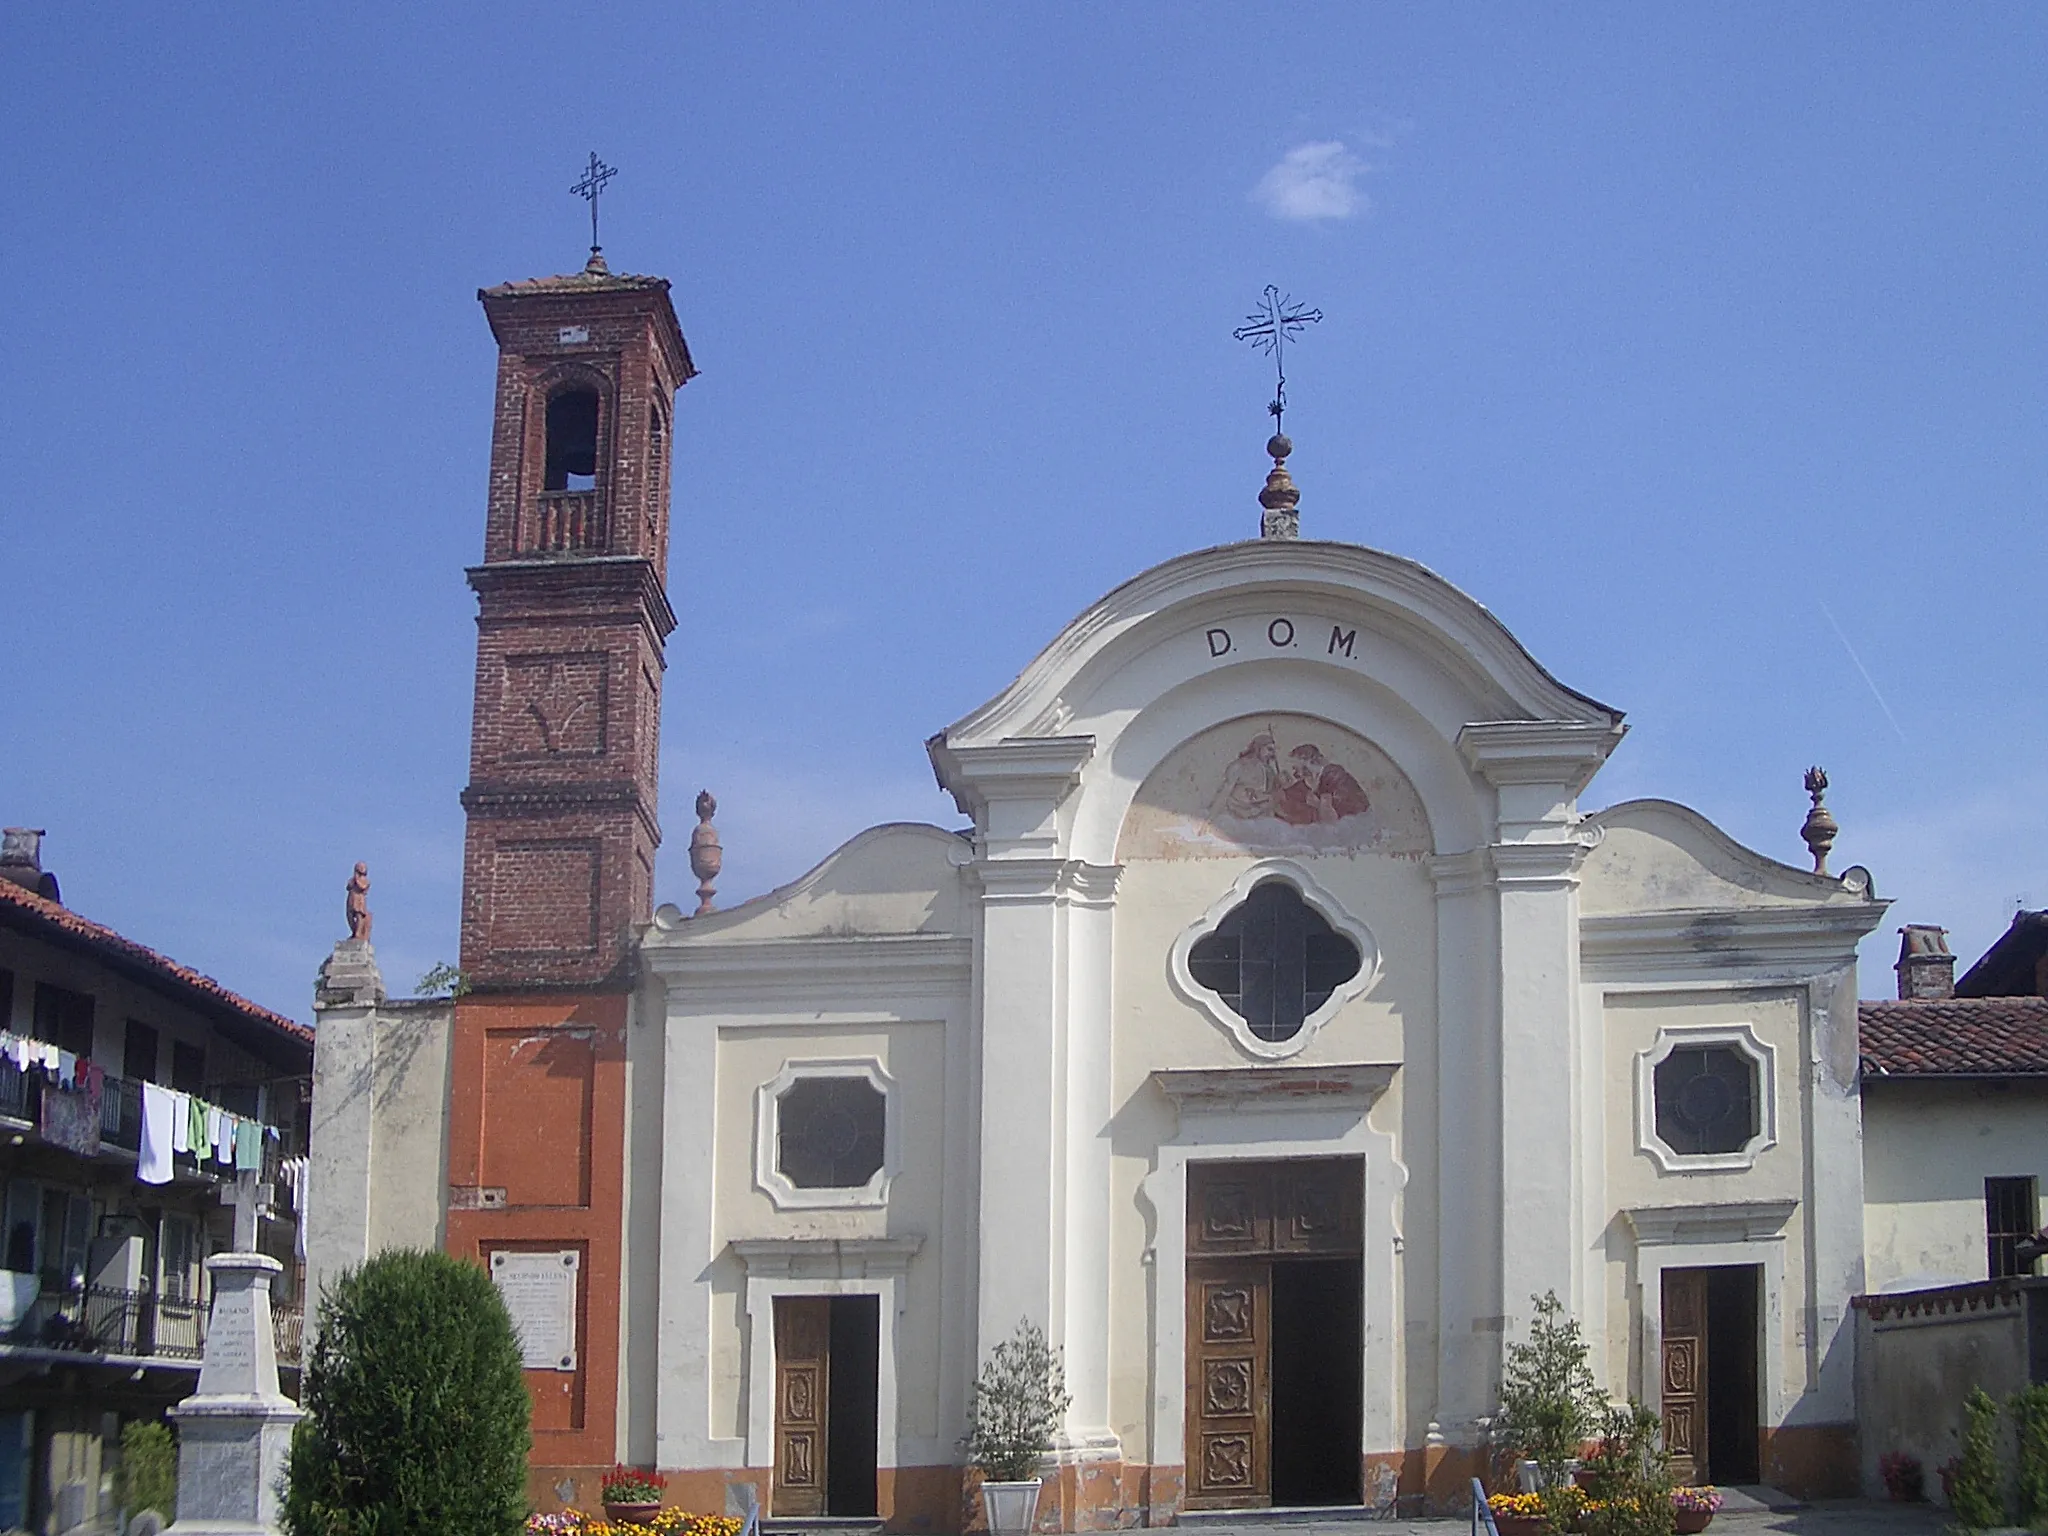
(1018, 1404)
(1549, 1405)
(1629, 1492)
(1692, 1509)
(631, 1495)
(1905, 1479)
(1518, 1514)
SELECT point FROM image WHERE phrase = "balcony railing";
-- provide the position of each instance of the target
(99, 1320)
(21, 1098)
(566, 523)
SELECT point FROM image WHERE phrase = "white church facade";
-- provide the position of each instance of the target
(1280, 1004)
(1276, 1029)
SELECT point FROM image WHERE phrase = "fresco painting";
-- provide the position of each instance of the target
(1275, 784)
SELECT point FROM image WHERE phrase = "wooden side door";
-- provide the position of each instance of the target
(803, 1330)
(1229, 1390)
(1684, 1374)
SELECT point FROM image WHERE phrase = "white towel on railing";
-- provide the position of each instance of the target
(153, 1165)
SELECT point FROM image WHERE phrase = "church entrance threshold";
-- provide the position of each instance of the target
(827, 1359)
(1274, 1334)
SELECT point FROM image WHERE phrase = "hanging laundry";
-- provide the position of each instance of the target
(195, 1125)
(153, 1164)
(71, 1121)
(181, 1122)
(248, 1147)
(67, 1070)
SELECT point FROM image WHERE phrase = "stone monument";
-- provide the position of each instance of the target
(235, 1432)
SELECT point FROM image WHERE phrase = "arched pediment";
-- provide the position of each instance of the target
(1339, 605)
(1366, 640)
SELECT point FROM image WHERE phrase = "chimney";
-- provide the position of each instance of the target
(1926, 968)
(21, 861)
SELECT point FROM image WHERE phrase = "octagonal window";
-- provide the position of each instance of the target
(1707, 1100)
(829, 1132)
(1273, 960)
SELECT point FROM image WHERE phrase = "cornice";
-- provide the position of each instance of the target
(1045, 879)
(1817, 935)
(1537, 866)
(828, 963)
(849, 1257)
(1343, 1085)
(575, 579)
(510, 798)
(1732, 1221)
(1017, 768)
(1563, 752)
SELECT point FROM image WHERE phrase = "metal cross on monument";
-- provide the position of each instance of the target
(1269, 328)
(595, 175)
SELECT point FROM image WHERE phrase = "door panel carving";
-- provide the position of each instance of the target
(1685, 1407)
(1229, 1407)
(802, 1332)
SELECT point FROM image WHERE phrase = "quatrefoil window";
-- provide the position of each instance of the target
(1274, 960)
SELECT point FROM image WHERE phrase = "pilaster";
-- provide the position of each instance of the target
(1536, 769)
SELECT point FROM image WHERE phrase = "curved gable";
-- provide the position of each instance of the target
(1659, 856)
(897, 878)
(1339, 604)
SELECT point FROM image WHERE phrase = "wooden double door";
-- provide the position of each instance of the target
(827, 1357)
(1709, 1361)
(1275, 1356)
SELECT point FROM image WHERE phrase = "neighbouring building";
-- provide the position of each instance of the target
(1955, 1146)
(107, 1220)
(1277, 1025)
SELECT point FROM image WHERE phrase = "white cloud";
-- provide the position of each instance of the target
(1314, 182)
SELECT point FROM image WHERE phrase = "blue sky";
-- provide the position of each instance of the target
(1707, 346)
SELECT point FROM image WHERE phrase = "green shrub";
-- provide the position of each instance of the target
(416, 1410)
(149, 1468)
(1018, 1404)
(2029, 1410)
(1549, 1402)
(1631, 1476)
(1975, 1497)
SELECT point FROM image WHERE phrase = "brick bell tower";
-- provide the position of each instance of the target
(558, 860)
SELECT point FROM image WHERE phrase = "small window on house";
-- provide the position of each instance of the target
(1274, 960)
(829, 1132)
(2012, 1214)
(178, 1259)
(1707, 1100)
(6, 999)
(63, 1018)
(139, 1052)
(572, 442)
(188, 1067)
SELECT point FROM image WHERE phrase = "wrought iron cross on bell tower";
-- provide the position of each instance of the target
(1268, 328)
(595, 175)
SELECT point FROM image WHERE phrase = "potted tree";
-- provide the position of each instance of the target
(1018, 1404)
(1549, 1407)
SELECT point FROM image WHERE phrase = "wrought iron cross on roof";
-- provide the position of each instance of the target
(595, 175)
(1268, 328)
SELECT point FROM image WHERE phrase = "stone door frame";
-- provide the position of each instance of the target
(1274, 1114)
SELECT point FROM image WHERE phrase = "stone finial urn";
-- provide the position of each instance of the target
(707, 858)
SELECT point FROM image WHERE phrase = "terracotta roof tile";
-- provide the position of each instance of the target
(1955, 1037)
(26, 910)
